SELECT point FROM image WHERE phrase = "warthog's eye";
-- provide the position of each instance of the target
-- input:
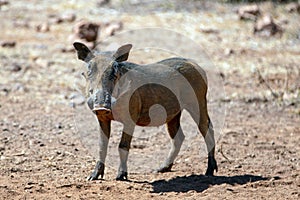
(84, 75)
(91, 70)
(89, 73)
(91, 91)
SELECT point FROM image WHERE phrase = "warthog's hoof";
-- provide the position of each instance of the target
(122, 176)
(164, 169)
(103, 113)
(98, 171)
(212, 165)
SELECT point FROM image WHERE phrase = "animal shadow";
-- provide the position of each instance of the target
(199, 183)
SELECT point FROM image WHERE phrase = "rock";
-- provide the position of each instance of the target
(87, 31)
(68, 17)
(8, 43)
(3, 3)
(228, 51)
(55, 20)
(59, 126)
(15, 67)
(44, 27)
(238, 166)
(5, 89)
(265, 26)
(246, 143)
(14, 169)
(252, 155)
(249, 12)
(110, 28)
(293, 7)
(102, 2)
(65, 17)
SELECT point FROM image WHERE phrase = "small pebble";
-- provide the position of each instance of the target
(228, 51)
(8, 44)
(59, 126)
(44, 27)
(237, 166)
(15, 67)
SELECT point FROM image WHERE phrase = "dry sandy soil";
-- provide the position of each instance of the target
(46, 153)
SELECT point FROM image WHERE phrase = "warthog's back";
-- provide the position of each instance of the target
(189, 69)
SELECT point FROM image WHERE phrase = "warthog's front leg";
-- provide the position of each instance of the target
(103, 144)
(124, 147)
(177, 138)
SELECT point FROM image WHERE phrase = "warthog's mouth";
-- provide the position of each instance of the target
(103, 113)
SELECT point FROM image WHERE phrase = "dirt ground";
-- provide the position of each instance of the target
(46, 153)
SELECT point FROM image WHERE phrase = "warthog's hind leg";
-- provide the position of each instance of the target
(212, 165)
(206, 129)
(177, 138)
(208, 134)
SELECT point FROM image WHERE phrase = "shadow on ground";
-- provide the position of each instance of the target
(199, 183)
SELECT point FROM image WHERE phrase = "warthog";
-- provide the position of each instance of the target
(128, 92)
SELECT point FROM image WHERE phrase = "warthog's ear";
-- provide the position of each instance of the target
(83, 52)
(122, 53)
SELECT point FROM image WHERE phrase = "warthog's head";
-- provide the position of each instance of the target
(101, 74)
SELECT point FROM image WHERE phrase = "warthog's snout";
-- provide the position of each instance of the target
(102, 99)
(102, 105)
(103, 113)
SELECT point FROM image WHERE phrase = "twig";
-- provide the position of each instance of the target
(221, 151)
(286, 81)
(262, 80)
(65, 185)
